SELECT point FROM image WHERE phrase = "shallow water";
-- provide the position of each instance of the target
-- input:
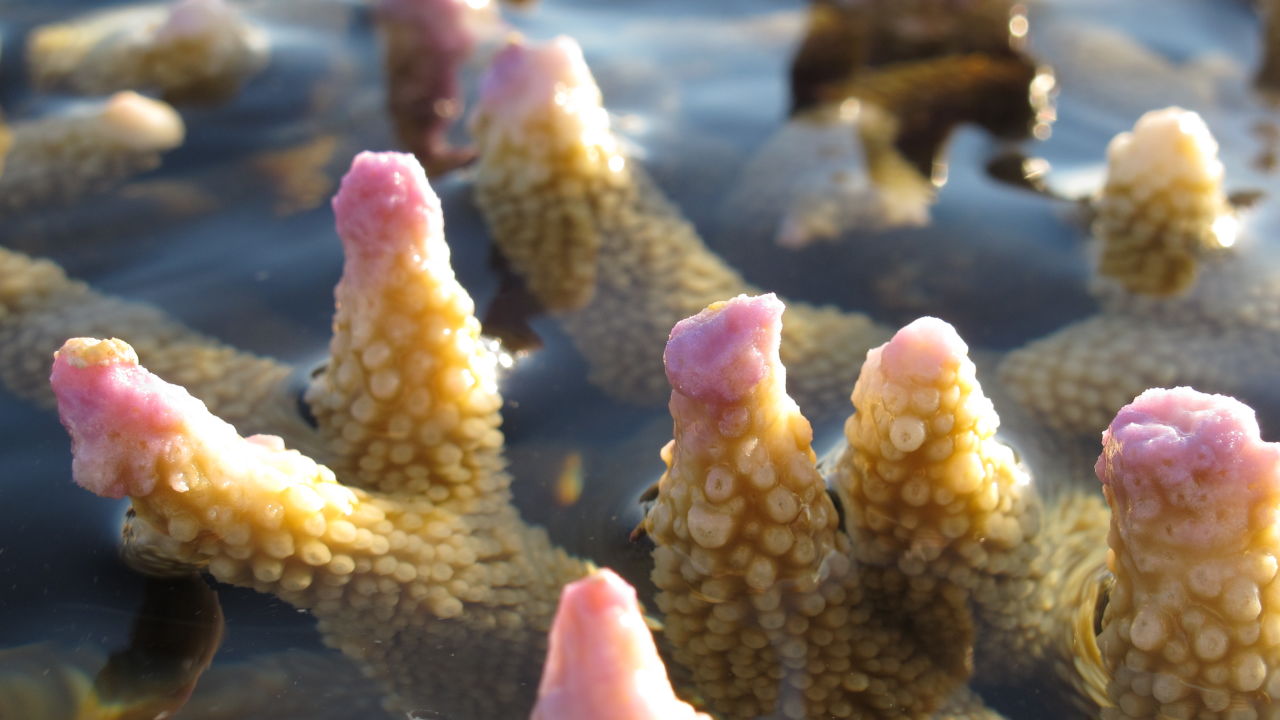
(206, 238)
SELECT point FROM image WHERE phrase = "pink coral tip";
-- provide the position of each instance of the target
(720, 354)
(922, 351)
(1188, 466)
(601, 658)
(524, 79)
(385, 204)
(114, 410)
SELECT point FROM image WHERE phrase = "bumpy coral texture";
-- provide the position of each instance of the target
(1163, 205)
(59, 158)
(399, 577)
(1193, 622)
(1187, 296)
(189, 50)
(764, 601)
(946, 519)
(40, 307)
(409, 401)
(755, 578)
(949, 561)
(597, 242)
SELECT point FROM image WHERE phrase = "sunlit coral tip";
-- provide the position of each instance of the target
(1167, 144)
(385, 203)
(922, 350)
(142, 123)
(720, 354)
(524, 78)
(1187, 465)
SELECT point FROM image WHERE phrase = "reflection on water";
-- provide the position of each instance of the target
(175, 634)
(232, 236)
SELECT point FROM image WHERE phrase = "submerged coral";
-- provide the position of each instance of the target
(755, 578)
(938, 559)
(1191, 628)
(60, 158)
(423, 549)
(771, 603)
(598, 243)
(425, 44)
(188, 50)
(1186, 296)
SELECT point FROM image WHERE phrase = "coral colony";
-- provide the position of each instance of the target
(922, 560)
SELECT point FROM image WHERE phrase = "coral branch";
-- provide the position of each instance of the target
(197, 50)
(1163, 206)
(63, 157)
(927, 485)
(1187, 295)
(936, 501)
(1190, 628)
(393, 580)
(426, 44)
(409, 400)
(40, 307)
(755, 578)
(597, 242)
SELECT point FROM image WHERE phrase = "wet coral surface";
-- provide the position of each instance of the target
(230, 234)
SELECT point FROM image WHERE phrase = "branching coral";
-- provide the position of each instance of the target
(1186, 296)
(1163, 207)
(921, 563)
(1192, 628)
(598, 243)
(59, 158)
(394, 573)
(756, 579)
(190, 50)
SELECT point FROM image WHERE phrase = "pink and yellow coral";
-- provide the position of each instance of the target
(598, 243)
(1192, 626)
(409, 400)
(390, 571)
(755, 578)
